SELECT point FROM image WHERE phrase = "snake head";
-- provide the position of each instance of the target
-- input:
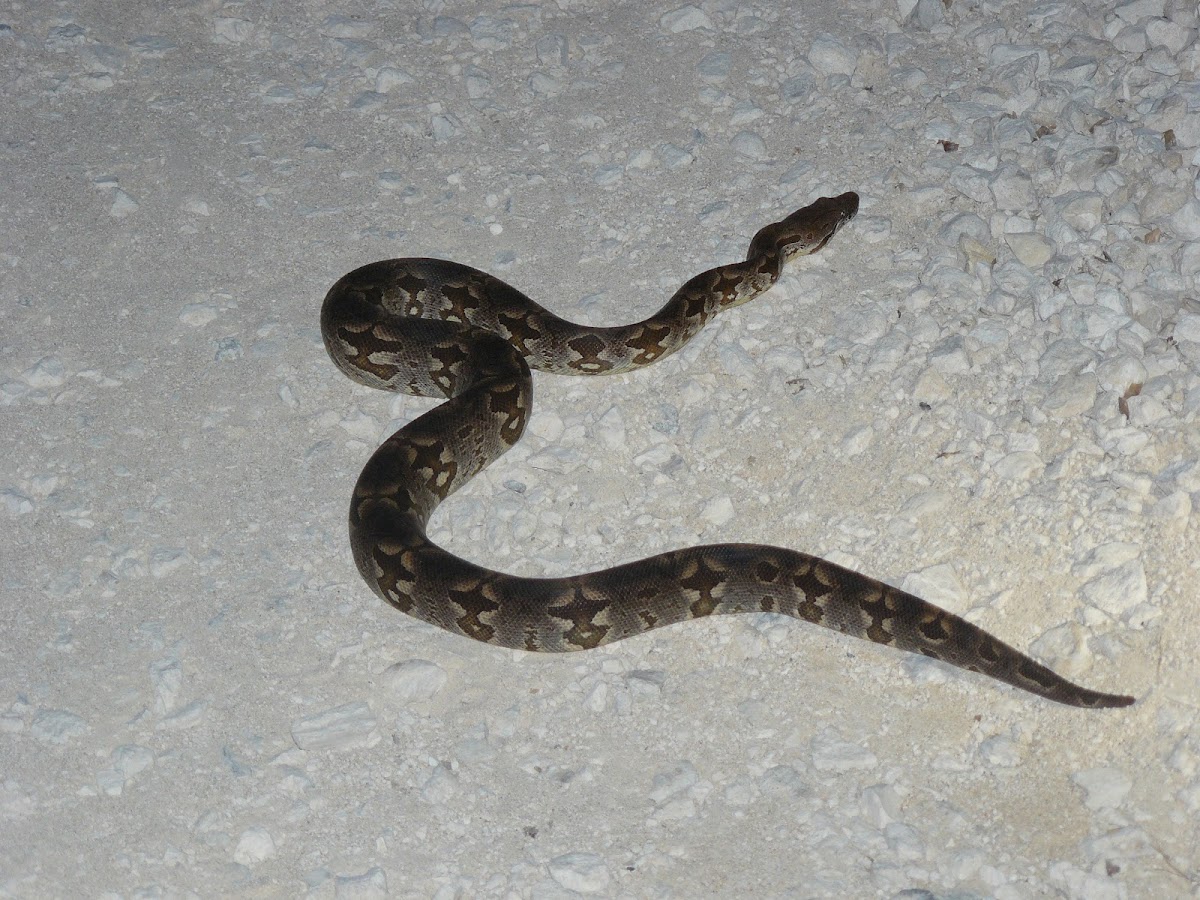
(817, 223)
(807, 230)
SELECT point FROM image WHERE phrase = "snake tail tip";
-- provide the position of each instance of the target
(1102, 701)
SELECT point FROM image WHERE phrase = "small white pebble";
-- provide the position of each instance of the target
(56, 726)
(718, 511)
(1001, 751)
(685, 18)
(389, 78)
(1119, 590)
(582, 872)
(749, 145)
(414, 679)
(47, 372)
(669, 783)
(197, 314)
(610, 429)
(857, 440)
(880, 805)
(832, 754)
(440, 786)
(370, 885)
(341, 728)
(1022, 465)
(15, 503)
(1104, 787)
(1032, 250)
(254, 845)
(830, 56)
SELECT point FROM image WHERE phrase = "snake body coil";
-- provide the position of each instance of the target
(440, 329)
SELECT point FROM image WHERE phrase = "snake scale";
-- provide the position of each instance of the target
(441, 329)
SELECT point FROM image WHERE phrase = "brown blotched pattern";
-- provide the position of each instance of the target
(441, 329)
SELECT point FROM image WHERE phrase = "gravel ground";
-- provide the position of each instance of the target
(985, 390)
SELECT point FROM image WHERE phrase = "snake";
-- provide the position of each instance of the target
(441, 329)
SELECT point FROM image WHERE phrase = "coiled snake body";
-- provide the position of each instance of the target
(441, 329)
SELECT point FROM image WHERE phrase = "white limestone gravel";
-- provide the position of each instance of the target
(986, 389)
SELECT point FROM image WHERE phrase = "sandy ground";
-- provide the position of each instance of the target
(986, 389)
